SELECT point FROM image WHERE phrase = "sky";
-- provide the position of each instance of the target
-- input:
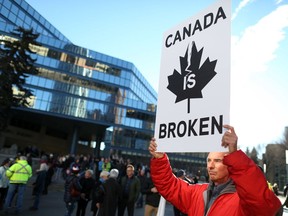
(133, 31)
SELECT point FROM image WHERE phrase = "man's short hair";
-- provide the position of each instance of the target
(114, 173)
(180, 173)
(90, 171)
(130, 166)
(22, 157)
(104, 173)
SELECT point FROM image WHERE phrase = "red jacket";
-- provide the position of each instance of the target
(251, 198)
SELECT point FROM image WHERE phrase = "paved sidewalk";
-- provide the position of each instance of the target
(52, 204)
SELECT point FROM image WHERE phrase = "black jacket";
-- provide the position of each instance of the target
(71, 179)
(87, 186)
(97, 194)
(152, 199)
(112, 194)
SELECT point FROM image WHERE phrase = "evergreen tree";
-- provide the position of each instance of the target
(254, 155)
(247, 151)
(16, 63)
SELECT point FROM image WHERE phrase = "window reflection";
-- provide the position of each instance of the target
(79, 107)
(68, 58)
(76, 82)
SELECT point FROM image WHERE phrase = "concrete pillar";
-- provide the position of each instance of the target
(100, 136)
(74, 141)
(99, 139)
(93, 141)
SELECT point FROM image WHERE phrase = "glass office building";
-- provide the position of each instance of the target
(81, 97)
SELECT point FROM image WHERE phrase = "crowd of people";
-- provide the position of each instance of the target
(236, 185)
(103, 186)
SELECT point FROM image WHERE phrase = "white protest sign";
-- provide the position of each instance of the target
(194, 83)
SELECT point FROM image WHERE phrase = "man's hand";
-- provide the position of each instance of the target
(153, 148)
(154, 190)
(230, 139)
(82, 195)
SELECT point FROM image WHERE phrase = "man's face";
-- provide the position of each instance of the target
(129, 172)
(88, 174)
(217, 171)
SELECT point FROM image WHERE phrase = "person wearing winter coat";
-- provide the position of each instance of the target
(130, 186)
(152, 198)
(39, 184)
(4, 181)
(19, 174)
(72, 182)
(237, 186)
(87, 183)
(98, 192)
(111, 195)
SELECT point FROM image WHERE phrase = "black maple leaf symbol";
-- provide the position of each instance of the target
(193, 78)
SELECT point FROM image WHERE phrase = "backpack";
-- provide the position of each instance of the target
(73, 190)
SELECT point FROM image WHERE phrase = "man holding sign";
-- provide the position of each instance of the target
(237, 186)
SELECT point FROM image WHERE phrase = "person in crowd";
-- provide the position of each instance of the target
(130, 185)
(112, 192)
(4, 181)
(67, 161)
(99, 170)
(275, 189)
(285, 193)
(72, 182)
(49, 175)
(194, 180)
(237, 186)
(142, 178)
(87, 183)
(19, 174)
(58, 168)
(98, 192)
(39, 183)
(85, 164)
(106, 165)
(29, 159)
(152, 198)
(114, 159)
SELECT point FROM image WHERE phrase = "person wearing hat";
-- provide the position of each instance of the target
(111, 196)
(72, 190)
(4, 181)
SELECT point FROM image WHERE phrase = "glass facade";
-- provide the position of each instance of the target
(90, 89)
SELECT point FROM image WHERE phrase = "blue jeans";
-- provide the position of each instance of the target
(13, 189)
